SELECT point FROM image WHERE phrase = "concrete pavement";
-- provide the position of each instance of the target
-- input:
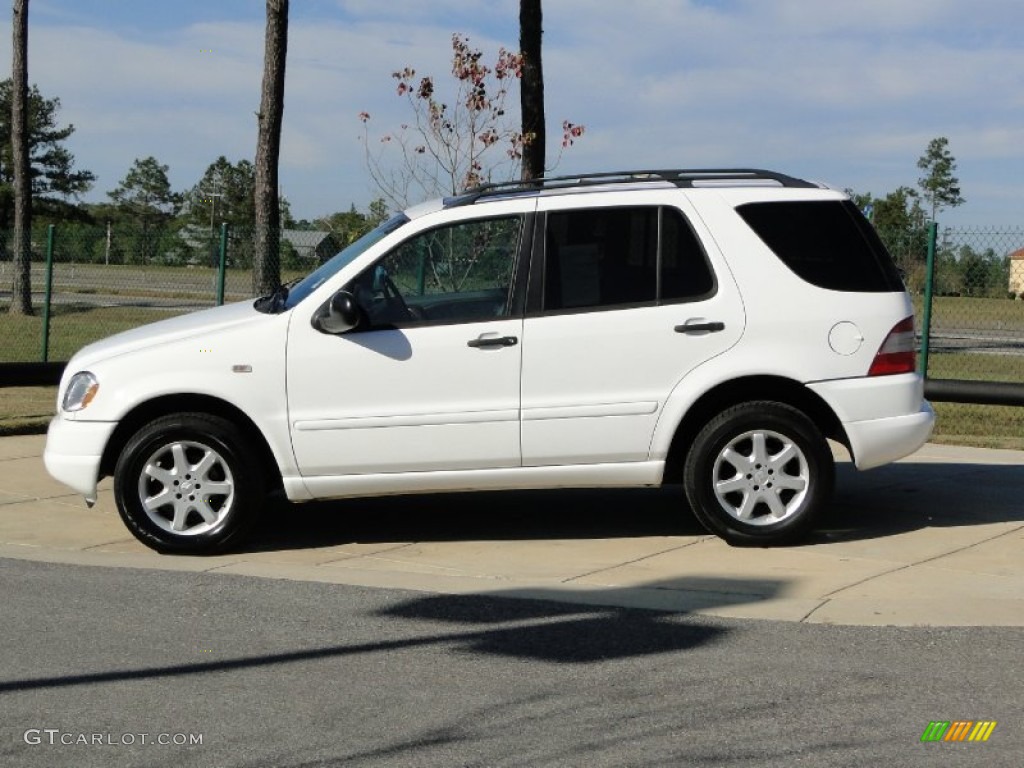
(936, 539)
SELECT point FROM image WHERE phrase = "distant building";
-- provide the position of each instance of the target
(311, 245)
(1017, 272)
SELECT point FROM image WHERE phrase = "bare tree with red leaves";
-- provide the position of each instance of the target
(453, 144)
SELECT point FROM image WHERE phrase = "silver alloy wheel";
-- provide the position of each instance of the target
(186, 488)
(761, 477)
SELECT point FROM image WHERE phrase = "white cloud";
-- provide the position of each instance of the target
(851, 92)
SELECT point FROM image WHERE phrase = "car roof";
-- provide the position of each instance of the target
(692, 178)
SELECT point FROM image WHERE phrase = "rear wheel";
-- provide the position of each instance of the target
(759, 473)
(184, 485)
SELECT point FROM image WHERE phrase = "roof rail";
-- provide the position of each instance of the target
(681, 177)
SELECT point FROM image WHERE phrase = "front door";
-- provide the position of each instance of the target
(430, 378)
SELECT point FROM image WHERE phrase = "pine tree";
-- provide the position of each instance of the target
(939, 187)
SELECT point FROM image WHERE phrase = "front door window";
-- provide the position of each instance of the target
(457, 273)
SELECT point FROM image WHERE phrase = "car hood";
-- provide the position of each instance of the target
(173, 329)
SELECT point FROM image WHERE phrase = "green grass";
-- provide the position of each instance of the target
(985, 426)
(26, 410)
(957, 312)
(976, 366)
(71, 328)
(75, 325)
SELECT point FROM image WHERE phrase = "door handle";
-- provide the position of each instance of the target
(494, 341)
(712, 327)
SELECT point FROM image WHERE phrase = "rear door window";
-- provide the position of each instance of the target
(828, 243)
(601, 258)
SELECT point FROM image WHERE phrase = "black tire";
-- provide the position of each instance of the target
(167, 508)
(777, 447)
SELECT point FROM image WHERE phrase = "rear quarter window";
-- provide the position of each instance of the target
(828, 243)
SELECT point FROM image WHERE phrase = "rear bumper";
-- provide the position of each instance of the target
(74, 450)
(881, 441)
(885, 417)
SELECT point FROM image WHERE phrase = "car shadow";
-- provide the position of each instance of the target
(909, 496)
(588, 513)
(887, 501)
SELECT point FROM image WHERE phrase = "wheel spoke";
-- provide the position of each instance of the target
(789, 482)
(759, 454)
(204, 509)
(733, 484)
(180, 516)
(181, 465)
(160, 474)
(774, 503)
(216, 489)
(152, 503)
(746, 509)
(737, 460)
(783, 457)
(209, 460)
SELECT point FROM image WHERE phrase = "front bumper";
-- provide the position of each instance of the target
(74, 450)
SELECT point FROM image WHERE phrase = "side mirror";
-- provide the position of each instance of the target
(340, 315)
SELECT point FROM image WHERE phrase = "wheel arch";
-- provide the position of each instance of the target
(745, 389)
(143, 413)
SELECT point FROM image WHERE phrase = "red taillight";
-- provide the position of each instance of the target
(896, 355)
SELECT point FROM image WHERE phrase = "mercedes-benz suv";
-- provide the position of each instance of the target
(706, 327)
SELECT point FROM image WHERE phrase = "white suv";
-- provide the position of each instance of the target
(712, 327)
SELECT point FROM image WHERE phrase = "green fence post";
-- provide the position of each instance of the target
(49, 291)
(223, 262)
(929, 282)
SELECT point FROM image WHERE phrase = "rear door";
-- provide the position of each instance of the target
(627, 300)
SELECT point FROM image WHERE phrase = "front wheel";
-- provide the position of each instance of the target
(759, 473)
(184, 485)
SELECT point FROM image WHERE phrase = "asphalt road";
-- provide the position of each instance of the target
(276, 673)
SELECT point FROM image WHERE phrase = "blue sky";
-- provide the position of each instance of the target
(845, 92)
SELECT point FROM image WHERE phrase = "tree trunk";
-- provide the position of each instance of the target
(531, 88)
(21, 287)
(266, 266)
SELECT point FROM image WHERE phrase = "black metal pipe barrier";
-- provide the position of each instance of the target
(30, 374)
(976, 392)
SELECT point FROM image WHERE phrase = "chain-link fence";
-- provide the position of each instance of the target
(976, 329)
(106, 280)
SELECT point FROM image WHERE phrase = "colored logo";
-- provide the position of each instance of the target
(958, 730)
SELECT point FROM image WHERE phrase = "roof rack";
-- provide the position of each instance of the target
(681, 177)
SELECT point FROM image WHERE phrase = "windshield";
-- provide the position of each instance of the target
(336, 263)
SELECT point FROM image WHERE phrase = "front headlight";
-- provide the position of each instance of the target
(81, 391)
